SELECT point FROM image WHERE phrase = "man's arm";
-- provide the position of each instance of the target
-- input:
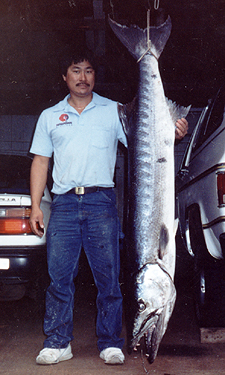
(181, 128)
(38, 180)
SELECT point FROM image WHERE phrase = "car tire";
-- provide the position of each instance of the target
(209, 289)
(209, 277)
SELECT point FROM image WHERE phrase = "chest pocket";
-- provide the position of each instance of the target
(100, 138)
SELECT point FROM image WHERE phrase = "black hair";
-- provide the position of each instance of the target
(75, 55)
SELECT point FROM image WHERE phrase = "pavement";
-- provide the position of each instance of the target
(181, 351)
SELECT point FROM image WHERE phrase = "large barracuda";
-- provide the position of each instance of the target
(151, 227)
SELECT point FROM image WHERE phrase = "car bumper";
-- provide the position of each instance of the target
(19, 265)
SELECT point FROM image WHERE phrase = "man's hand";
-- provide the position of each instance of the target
(36, 222)
(181, 128)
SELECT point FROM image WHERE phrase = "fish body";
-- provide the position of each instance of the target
(151, 225)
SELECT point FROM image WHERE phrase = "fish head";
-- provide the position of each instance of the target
(155, 294)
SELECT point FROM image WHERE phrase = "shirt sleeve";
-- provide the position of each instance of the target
(42, 143)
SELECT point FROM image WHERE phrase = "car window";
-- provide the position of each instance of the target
(212, 120)
(14, 174)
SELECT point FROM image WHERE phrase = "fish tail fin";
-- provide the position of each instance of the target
(135, 39)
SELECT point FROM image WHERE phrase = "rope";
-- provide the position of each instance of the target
(112, 6)
(148, 37)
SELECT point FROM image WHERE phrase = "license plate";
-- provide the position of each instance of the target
(4, 264)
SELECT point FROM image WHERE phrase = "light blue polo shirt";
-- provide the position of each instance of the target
(84, 145)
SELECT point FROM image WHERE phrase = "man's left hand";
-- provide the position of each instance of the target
(181, 128)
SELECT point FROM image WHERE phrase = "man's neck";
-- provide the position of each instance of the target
(79, 103)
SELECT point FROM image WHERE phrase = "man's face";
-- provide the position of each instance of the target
(80, 78)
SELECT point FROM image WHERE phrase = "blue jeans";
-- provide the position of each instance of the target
(89, 221)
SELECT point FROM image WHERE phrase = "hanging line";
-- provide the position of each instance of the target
(112, 6)
(148, 38)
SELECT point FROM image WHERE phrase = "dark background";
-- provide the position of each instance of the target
(34, 32)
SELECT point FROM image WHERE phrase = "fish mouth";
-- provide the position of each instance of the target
(151, 331)
(146, 329)
(156, 298)
(153, 328)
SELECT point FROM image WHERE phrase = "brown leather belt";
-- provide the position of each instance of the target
(81, 190)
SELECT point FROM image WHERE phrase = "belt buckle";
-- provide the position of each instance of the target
(79, 190)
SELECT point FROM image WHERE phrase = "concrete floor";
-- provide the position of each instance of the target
(180, 352)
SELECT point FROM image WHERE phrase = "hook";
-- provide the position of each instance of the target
(156, 4)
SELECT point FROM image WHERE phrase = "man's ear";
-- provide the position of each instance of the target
(64, 77)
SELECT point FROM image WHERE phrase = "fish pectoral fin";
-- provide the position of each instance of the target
(164, 238)
(163, 241)
(123, 117)
(126, 111)
(177, 111)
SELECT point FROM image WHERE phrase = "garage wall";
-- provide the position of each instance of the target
(16, 133)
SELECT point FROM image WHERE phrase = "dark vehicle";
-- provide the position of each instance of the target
(201, 210)
(23, 267)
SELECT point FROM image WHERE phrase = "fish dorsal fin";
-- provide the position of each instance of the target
(135, 39)
(177, 111)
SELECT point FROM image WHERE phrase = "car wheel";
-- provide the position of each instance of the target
(209, 290)
(209, 277)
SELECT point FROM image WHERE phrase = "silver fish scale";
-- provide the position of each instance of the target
(151, 226)
(153, 142)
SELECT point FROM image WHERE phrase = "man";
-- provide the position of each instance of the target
(82, 131)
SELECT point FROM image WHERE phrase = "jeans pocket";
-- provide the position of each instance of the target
(55, 201)
(55, 198)
(110, 195)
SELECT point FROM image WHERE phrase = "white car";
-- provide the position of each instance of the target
(23, 268)
(200, 193)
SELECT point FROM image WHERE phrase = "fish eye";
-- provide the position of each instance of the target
(142, 305)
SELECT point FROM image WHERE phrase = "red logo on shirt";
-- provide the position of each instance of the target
(63, 117)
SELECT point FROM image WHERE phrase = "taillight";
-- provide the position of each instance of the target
(221, 188)
(15, 220)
